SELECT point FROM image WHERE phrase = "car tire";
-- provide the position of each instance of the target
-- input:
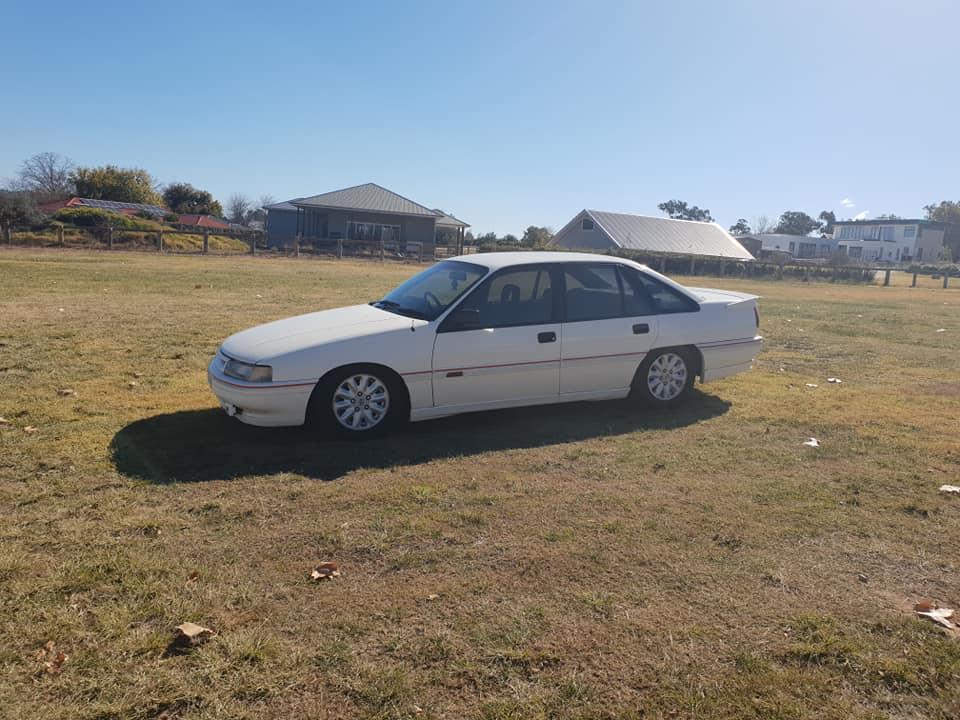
(359, 402)
(664, 378)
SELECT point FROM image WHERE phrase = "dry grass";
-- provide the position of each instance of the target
(591, 561)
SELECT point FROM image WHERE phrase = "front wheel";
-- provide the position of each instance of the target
(358, 402)
(664, 377)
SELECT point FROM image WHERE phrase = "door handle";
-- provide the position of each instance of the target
(641, 329)
(546, 337)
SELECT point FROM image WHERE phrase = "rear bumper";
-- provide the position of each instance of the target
(729, 357)
(261, 404)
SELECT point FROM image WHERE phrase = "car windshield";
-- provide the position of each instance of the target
(428, 294)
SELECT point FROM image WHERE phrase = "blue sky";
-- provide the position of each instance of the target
(506, 113)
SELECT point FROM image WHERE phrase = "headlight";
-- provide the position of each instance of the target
(246, 371)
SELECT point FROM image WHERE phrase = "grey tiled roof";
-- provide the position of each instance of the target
(664, 235)
(370, 198)
(447, 220)
(288, 205)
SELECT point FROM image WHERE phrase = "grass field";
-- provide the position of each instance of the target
(583, 561)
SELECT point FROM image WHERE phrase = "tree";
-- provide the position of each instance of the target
(16, 208)
(827, 220)
(46, 175)
(947, 211)
(239, 209)
(258, 213)
(762, 225)
(888, 216)
(132, 185)
(741, 227)
(185, 198)
(537, 237)
(679, 210)
(795, 222)
(510, 239)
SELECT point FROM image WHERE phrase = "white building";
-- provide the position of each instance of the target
(800, 246)
(896, 240)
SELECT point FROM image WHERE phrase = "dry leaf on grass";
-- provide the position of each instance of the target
(812, 385)
(953, 489)
(835, 381)
(66, 392)
(30, 429)
(132, 384)
(190, 634)
(326, 571)
(432, 596)
(930, 609)
(812, 442)
(4, 421)
(51, 658)
(941, 329)
(194, 576)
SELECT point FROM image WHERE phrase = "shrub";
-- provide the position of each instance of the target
(95, 217)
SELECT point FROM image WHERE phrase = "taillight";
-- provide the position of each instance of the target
(756, 316)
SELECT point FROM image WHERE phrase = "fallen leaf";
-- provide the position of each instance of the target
(189, 634)
(941, 329)
(4, 421)
(51, 658)
(132, 383)
(30, 429)
(939, 615)
(432, 596)
(326, 571)
(834, 380)
(812, 385)
(812, 442)
(194, 576)
(259, 296)
(66, 392)
(953, 489)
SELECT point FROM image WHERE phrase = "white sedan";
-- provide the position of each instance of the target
(488, 331)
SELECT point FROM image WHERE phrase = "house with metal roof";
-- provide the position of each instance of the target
(366, 213)
(113, 206)
(599, 231)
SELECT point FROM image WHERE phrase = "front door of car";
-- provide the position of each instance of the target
(609, 326)
(501, 345)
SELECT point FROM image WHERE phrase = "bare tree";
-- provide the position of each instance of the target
(266, 199)
(46, 175)
(762, 225)
(239, 208)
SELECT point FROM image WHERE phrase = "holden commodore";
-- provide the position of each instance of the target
(488, 331)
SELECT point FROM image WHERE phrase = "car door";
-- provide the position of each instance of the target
(510, 353)
(608, 328)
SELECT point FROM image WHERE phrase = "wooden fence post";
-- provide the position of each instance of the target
(110, 238)
(914, 283)
(7, 234)
(693, 265)
(663, 264)
(381, 251)
(159, 240)
(60, 235)
(946, 278)
(296, 246)
(206, 241)
(723, 268)
(886, 278)
(420, 253)
(253, 244)
(340, 248)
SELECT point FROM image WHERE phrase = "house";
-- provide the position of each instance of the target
(893, 240)
(605, 231)
(203, 221)
(111, 205)
(800, 246)
(364, 213)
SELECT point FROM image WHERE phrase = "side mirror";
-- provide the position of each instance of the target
(465, 319)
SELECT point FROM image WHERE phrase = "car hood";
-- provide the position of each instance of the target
(303, 331)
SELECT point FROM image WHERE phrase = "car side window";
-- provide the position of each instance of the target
(523, 296)
(592, 292)
(662, 298)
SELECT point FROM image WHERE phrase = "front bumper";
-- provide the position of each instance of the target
(273, 404)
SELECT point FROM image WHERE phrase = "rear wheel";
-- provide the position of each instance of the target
(664, 377)
(358, 402)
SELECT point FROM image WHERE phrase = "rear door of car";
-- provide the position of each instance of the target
(609, 326)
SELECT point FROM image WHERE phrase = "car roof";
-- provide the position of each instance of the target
(497, 260)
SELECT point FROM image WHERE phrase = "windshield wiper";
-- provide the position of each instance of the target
(395, 307)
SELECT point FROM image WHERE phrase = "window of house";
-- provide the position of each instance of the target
(807, 250)
(886, 233)
(824, 250)
(856, 251)
(792, 246)
(523, 296)
(586, 224)
(910, 231)
(662, 299)
(373, 232)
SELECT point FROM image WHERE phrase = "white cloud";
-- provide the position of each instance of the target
(861, 215)
(847, 203)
